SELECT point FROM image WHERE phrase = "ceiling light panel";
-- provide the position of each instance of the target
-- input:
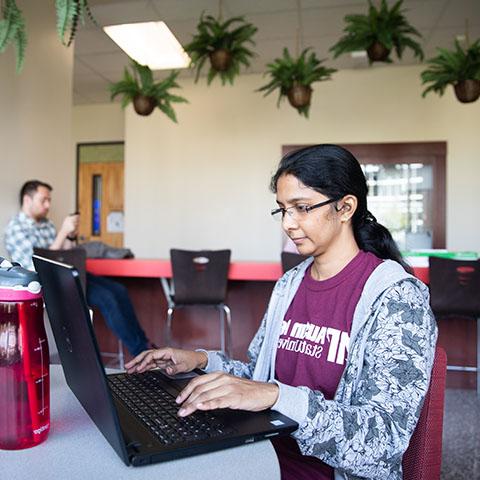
(149, 43)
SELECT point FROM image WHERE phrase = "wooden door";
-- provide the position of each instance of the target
(100, 202)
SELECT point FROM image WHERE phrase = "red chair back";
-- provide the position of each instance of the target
(423, 458)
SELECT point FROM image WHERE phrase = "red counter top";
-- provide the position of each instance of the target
(137, 267)
(131, 267)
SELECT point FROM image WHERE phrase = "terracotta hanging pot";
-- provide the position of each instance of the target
(299, 95)
(467, 91)
(377, 52)
(144, 105)
(220, 59)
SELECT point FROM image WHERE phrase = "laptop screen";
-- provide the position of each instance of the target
(77, 347)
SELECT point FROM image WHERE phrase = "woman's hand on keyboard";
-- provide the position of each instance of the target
(221, 390)
(172, 360)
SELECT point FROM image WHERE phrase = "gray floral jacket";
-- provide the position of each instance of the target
(364, 431)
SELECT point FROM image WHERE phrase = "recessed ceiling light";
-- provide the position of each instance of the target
(358, 54)
(149, 43)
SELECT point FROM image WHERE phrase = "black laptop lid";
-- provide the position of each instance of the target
(73, 331)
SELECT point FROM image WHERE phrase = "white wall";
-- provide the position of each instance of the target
(35, 115)
(98, 123)
(204, 182)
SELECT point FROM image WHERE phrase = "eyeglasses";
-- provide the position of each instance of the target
(298, 212)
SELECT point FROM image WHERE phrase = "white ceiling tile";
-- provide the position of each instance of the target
(445, 37)
(93, 41)
(185, 9)
(457, 11)
(106, 63)
(424, 14)
(81, 69)
(123, 12)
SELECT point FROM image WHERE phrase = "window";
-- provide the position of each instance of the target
(406, 189)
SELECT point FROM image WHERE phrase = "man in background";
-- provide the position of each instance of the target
(31, 228)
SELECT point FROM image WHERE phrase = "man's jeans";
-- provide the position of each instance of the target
(112, 299)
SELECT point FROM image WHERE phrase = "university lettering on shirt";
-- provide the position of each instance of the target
(314, 341)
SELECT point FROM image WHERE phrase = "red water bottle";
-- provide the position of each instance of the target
(24, 360)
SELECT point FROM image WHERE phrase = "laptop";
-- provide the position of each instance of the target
(137, 413)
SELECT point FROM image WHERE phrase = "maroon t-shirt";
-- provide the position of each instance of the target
(313, 348)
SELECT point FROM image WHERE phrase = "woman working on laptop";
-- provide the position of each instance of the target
(354, 297)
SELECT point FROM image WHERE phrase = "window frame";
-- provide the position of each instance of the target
(428, 153)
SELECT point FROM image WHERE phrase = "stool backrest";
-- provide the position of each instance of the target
(455, 286)
(423, 457)
(74, 256)
(200, 277)
(290, 260)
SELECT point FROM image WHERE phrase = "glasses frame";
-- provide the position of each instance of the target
(308, 208)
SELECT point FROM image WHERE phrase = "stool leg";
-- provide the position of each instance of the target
(229, 329)
(167, 288)
(168, 332)
(121, 358)
(222, 329)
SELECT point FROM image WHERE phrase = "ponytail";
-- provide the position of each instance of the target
(335, 172)
(373, 237)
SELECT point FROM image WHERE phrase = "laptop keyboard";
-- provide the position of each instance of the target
(145, 396)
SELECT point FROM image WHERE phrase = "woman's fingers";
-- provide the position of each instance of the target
(160, 358)
(221, 396)
(134, 362)
(149, 359)
(207, 392)
(197, 383)
(219, 390)
(199, 388)
(173, 368)
(169, 359)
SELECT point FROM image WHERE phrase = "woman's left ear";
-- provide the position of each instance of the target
(348, 208)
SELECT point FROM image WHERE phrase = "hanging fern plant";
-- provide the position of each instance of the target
(224, 47)
(459, 67)
(69, 13)
(12, 30)
(138, 86)
(378, 32)
(293, 77)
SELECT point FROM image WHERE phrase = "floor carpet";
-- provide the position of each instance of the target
(461, 436)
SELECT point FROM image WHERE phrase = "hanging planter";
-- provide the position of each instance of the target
(139, 88)
(459, 67)
(378, 32)
(144, 105)
(12, 30)
(377, 52)
(467, 91)
(225, 48)
(299, 95)
(220, 59)
(69, 13)
(293, 78)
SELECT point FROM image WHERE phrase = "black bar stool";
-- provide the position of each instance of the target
(200, 279)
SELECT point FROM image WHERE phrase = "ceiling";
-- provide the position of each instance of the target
(99, 61)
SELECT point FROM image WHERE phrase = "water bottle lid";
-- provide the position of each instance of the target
(18, 283)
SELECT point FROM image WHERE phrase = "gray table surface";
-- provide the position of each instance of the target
(76, 450)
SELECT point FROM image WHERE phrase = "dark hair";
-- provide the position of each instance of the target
(335, 172)
(29, 188)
